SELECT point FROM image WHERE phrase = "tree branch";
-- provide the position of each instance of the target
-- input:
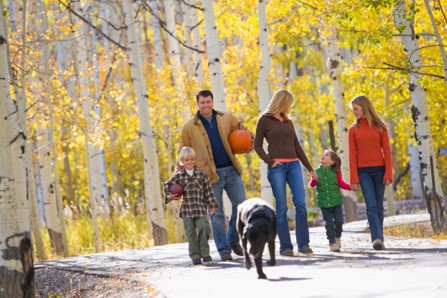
(409, 70)
(163, 26)
(190, 5)
(400, 176)
(68, 7)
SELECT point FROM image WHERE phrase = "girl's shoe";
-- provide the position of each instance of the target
(338, 242)
(334, 247)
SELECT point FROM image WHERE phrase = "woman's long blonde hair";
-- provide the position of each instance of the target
(282, 99)
(370, 113)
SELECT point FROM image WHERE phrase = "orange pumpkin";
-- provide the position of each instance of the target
(240, 141)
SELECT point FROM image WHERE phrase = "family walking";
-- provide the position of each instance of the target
(207, 167)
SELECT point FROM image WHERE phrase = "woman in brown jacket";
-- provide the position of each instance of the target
(283, 159)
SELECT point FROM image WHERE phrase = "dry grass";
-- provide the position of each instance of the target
(416, 230)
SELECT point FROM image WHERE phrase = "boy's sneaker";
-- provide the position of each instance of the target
(378, 244)
(288, 252)
(226, 256)
(196, 262)
(207, 259)
(334, 247)
(306, 250)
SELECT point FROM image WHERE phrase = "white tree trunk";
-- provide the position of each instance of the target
(415, 173)
(299, 133)
(335, 69)
(50, 179)
(157, 36)
(21, 109)
(94, 181)
(213, 55)
(100, 171)
(427, 157)
(152, 190)
(197, 44)
(389, 191)
(174, 57)
(188, 55)
(16, 259)
(263, 89)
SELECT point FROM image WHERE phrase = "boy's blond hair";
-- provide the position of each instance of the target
(185, 152)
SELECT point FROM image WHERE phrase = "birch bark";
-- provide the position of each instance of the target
(16, 259)
(263, 89)
(152, 190)
(335, 69)
(430, 176)
(213, 55)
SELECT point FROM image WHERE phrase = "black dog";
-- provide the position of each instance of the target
(256, 224)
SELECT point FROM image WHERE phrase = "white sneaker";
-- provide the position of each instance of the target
(338, 242)
(334, 247)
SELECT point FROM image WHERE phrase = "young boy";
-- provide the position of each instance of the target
(197, 197)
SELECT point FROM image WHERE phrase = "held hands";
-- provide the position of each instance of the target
(355, 187)
(314, 175)
(212, 210)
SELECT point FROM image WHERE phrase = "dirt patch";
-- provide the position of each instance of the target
(51, 282)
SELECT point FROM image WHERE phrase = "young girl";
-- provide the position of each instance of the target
(197, 197)
(328, 181)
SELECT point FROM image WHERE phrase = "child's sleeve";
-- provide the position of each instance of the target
(166, 186)
(341, 183)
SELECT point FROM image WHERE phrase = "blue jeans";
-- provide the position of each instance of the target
(290, 173)
(334, 222)
(231, 182)
(373, 189)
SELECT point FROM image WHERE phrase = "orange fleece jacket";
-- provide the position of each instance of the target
(369, 148)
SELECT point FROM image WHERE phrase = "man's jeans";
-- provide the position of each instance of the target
(334, 222)
(231, 182)
(373, 189)
(290, 173)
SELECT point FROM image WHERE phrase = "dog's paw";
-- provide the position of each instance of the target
(271, 262)
(248, 265)
(262, 276)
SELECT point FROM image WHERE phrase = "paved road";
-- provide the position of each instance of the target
(407, 268)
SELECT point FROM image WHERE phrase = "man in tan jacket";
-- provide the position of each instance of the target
(207, 133)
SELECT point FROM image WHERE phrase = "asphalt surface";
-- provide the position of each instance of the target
(408, 267)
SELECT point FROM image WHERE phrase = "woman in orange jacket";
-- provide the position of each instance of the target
(370, 163)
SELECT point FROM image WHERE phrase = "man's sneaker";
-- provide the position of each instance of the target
(226, 256)
(288, 252)
(338, 242)
(207, 259)
(306, 250)
(237, 249)
(378, 244)
(196, 262)
(334, 247)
